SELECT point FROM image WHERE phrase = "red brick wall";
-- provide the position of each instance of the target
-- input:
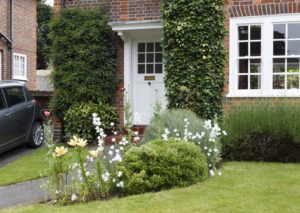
(24, 35)
(120, 10)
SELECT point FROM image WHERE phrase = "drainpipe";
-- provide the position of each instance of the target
(11, 38)
(62, 4)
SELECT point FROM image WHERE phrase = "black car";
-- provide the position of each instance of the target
(21, 119)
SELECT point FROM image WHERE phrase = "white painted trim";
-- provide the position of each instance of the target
(128, 26)
(19, 77)
(266, 23)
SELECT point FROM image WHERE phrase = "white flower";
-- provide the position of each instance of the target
(216, 150)
(185, 120)
(115, 133)
(207, 124)
(113, 140)
(87, 173)
(94, 115)
(114, 180)
(224, 132)
(175, 130)
(112, 123)
(112, 147)
(211, 172)
(120, 173)
(120, 184)
(110, 152)
(107, 174)
(219, 173)
(205, 147)
(121, 148)
(208, 154)
(136, 133)
(136, 139)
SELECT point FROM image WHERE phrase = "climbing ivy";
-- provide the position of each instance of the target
(195, 55)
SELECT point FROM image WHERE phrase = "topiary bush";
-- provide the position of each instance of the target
(82, 57)
(194, 55)
(78, 119)
(161, 165)
(264, 132)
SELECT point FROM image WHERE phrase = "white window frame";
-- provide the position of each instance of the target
(20, 77)
(266, 23)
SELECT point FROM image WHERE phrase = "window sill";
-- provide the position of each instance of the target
(19, 78)
(260, 94)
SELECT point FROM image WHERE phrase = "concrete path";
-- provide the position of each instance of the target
(22, 193)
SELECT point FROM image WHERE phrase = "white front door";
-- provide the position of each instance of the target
(148, 80)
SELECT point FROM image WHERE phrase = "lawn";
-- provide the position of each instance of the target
(243, 187)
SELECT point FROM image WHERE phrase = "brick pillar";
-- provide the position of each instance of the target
(57, 6)
(57, 130)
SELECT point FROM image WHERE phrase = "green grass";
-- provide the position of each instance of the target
(25, 168)
(243, 187)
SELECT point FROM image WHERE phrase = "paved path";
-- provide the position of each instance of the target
(22, 193)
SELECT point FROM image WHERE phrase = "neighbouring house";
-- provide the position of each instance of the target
(263, 44)
(18, 20)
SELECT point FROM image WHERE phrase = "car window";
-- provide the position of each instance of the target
(2, 103)
(14, 95)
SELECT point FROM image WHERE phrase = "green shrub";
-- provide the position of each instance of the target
(194, 55)
(78, 119)
(82, 57)
(161, 165)
(172, 119)
(264, 132)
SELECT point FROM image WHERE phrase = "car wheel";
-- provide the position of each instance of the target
(36, 135)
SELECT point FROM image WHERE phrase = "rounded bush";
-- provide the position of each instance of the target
(79, 121)
(161, 165)
(173, 119)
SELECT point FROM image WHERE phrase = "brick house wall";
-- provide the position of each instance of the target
(24, 36)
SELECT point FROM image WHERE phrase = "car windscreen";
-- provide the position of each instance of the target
(2, 103)
(14, 95)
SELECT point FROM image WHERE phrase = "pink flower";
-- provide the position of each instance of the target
(47, 113)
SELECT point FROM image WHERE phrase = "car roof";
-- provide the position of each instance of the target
(10, 83)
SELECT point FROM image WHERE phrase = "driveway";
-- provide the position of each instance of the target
(14, 154)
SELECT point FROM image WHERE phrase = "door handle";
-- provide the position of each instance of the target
(8, 114)
(29, 106)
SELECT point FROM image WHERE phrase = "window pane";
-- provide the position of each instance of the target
(243, 47)
(150, 47)
(150, 57)
(278, 65)
(279, 31)
(158, 47)
(255, 48)
(141, 58)
(293, 48)
(243, 82)
(243, 66)
(150, 68)
(255, 82)
(158, 57)
(294, 30)
(141, 47)
(243, 33)
(255, 66)
(255, 33)
(278, 81)
(2, 103)
(292, 65)
(158, 68)
(141, 68)
(293, 81)
(14, 96)
(279, 48)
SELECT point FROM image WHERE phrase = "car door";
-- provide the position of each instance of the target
(6, 122)
(22, 111)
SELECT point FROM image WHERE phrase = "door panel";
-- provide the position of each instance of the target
(148, 80)
(6, 123)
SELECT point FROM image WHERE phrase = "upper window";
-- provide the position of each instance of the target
(150, 58)
(14, 95)
(20, 67)
(265, 56)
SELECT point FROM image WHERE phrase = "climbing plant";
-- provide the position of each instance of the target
(83, 59)
(194, 54)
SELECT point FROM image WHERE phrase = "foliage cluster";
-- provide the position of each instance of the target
(83, 59)
(161, 165)
(78, 119)
(194, 55)
(264, 132)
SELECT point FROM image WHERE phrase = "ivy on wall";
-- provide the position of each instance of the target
(195, 55)
(83, 60)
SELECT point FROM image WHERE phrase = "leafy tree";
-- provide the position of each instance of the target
(195, 56)
(44, 15)
(81, 53)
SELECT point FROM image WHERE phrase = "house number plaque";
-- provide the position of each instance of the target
(149, 78)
